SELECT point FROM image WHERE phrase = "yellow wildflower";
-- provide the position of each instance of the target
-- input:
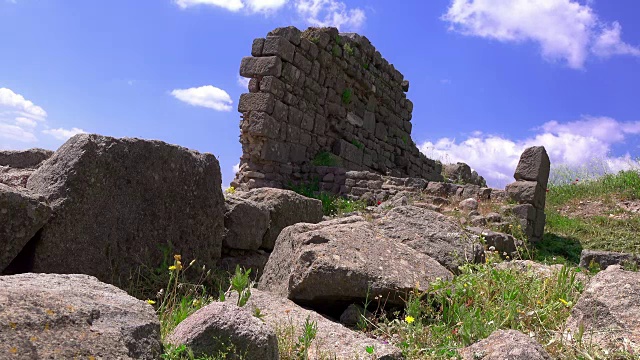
(564, 302)
(172, 267)
(177, 257)
(409, 319)
(150, 302)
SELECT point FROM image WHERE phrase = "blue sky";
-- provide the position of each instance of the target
(488, 77)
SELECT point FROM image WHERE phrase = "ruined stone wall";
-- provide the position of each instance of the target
(319, 98)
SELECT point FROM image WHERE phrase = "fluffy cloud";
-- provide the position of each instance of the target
(313, 12)
(231, 5)
(572, 144)
(20, 119)
(236, 168)
(243, 82)
(206, 96)
(564, 29)
(330, 13)
(63, 134)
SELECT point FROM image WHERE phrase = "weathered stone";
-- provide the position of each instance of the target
(24, 159)
(285, 208)
(348, 151)
(245, 223)
(504, 345)
(505, 244)
(21, 215)
(259, 123)
(119, 201)
(256, 47)
(527, 192)
(223, 326)
(290, 33)
(278, 45)
(345, 260)
(354, 314)
(261, 66)
(14, 177)
(604, 259)
(51, 316)
(332, 340)
(534, 165)
(263, 102)
(254, 260)
(608, 311)
(469, 204)
(432, 234)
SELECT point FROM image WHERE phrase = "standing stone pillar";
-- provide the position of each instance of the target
(530, 191)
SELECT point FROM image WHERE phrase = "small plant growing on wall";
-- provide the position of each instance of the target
(325, 158)
(347, 48)
(357, 144)
(338, 39)
(314, 40)
(346, 96)
(336, 50)
(365, 66)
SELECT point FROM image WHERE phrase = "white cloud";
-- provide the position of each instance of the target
(609, 43)
(313, 12)
(17, 133)
(17, 102)
(207, 96)
(231, 5)
(243, 82)
(564, 29)
(264, 5)
(26, 122)
(63, 134)
(330, 13)
(236, 168)
(573, 144)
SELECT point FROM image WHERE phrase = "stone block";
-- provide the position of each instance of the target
(307, 122)
(275, 151)
(260, 124)
(279, 46)
(534, 165)
(527, 192)
(256, 102)
(272, 84)
(290, 33)
(256, 47)
(302, 63)
(261, 66)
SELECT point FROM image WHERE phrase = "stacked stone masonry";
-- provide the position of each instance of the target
(321, 98)
(530, 191)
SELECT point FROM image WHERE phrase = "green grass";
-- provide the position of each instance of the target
(566, 234)
(346, 96)
(357, 144)
(482, 299)
(325, 158)
(332, 205)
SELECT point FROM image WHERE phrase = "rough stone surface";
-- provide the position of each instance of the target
(333, 340)
(245, 223)
(609, 310)
(221, 326)
(21, 216)
(121, 202)
(285, 208)
(534, 165)
(24, 159)
(431, 233)
(527, 192)
(461, 173)
(469, 204)
(344, 260)
(14, 177)
(607, 258)
(505, 244)
(52, 316)
(254, 260)
(505, 345)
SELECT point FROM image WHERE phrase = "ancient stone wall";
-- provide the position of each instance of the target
(319, 98)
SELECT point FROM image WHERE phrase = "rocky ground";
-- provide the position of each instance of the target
(435, 270)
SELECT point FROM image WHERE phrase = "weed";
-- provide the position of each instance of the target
(309, 332)
(365, 66)
(346, 96)
(357, 144)
(348, 49)
(241, 284)
(338, 39)
(326, 158)
(315, 40)
(336, 50)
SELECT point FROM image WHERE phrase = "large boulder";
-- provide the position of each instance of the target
(431, 233)
(21, 216)
(333, 340)
(285, 208)
(121, 204)
(345, 260)
(604, 259)
(53, 316)
(24, 159)
(221, 327)
(505, 345)
(245, 224)
(608, 311)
